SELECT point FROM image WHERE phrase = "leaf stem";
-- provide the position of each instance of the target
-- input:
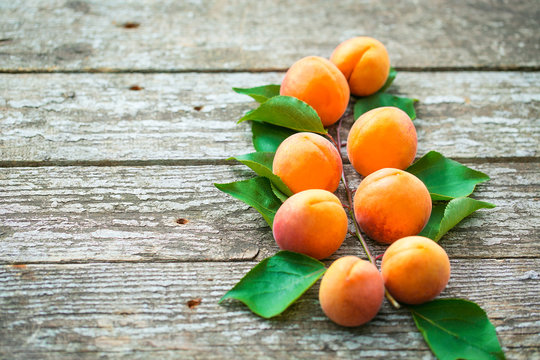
(358, 234)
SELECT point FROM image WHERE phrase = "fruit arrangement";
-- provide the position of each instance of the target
(407, 206)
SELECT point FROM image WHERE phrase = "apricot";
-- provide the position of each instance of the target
(352, 291)
(384, 137)
(415, 269)
(319, 83)
(308, 161)
(365, 63)
(312, 222)
(390, 204)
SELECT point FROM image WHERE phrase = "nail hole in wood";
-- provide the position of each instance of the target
(131, 25)
(194, 303)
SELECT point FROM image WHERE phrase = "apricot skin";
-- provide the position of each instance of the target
(319, 83)
(390, 204)
(351, 292)
(312, 222)
(365, 63)
(415, 269)
(384, 137)
(308, 161)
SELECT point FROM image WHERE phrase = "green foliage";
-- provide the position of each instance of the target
(281, 196)
(259, 93)
(446, 215)
(446, 179)
(288, 112)
(256, 192)
(380, 99)
(453, 328)
(261, 163)
(389, 80)
(267, 137)
(276, 282)
(457, 329)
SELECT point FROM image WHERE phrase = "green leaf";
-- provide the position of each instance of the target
(457, 329)
(261, 163)
(281, 196)
(446, 179)
(380, 99)
(267, 137)
(445, 216)
(255, 192)
(276, 282)
(288, 112)
(259, 93)
(389, 80)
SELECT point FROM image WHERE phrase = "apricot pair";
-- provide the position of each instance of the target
(312, 221)
(414, 270)
(360, 66)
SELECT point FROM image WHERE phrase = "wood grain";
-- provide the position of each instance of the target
(58, 35)
(140, 310)
(87, 214)
(95, 118)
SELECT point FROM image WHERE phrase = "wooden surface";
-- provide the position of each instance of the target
(109, 220)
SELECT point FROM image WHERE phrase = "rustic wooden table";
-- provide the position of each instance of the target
(94, 174)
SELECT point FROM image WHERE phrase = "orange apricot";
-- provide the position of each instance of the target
(365, 63)
(415, 269)
(351, 291)
(390, 204)
(384, 137)
(308, 161)
(312, 222)
(320, 84)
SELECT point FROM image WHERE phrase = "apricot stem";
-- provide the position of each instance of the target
(359, 236)
(391, 299)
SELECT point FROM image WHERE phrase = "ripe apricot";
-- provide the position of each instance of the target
(308, 161)
(365, 63)
(312, 222)
(390, 204)
(352, 291)
(319, 83)
(384, 137)
(415, 269)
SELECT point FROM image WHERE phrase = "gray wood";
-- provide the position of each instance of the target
(109, 220)
(78, 118)
(58, 35)
(140, 310)
(87, 214)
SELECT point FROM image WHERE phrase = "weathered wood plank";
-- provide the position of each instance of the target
(229, 35)
(95, 117)
(138, 309)
(66, 214)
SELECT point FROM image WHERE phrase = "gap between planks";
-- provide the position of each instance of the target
(505, 68)
(205, 162)
(214, 261)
